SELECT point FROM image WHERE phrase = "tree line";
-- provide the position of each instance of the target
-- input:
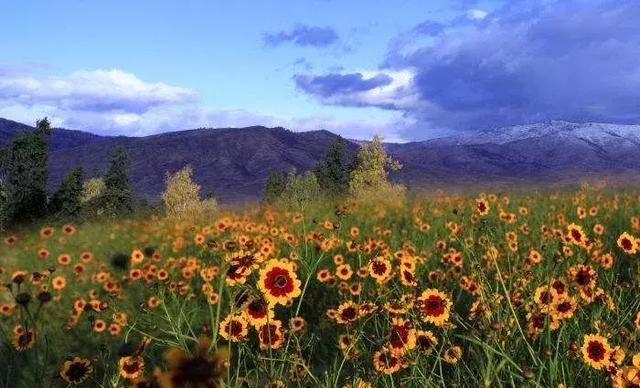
(24, 175)
(364, 176)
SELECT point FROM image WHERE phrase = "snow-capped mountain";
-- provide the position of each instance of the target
(235, 162)
(595, 133)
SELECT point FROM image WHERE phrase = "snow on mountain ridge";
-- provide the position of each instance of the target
(596, 133)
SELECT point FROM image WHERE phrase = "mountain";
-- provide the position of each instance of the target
(549, 152)
(234, 163)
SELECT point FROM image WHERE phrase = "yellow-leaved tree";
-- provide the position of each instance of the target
(370, 173)
(181, 197)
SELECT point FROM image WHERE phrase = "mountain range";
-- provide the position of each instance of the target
(234, 163)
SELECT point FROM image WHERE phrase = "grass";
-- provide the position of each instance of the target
(508, 296)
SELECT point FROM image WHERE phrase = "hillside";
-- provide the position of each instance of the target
(234, 163)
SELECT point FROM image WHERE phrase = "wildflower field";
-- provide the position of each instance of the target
(535, 289)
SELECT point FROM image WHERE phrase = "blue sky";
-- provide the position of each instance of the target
(408, 69)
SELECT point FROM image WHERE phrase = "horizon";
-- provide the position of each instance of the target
(408, 73)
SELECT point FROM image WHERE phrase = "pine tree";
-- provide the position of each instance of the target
(25, 163)
(66, 201)
(332, 172)
(4, 196)
(117, 197)
(276, 184)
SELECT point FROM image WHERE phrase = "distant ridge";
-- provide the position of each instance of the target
(234, 163)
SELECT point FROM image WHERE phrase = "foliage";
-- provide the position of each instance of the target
(371, 168)
(276, 183)
(300, 190)
(332, 171)
(91, 189)
(4, 196)
(25, 164)
(117, 197)
(66, 201)
(181, 197)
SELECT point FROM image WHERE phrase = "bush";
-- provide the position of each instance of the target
(300, 190)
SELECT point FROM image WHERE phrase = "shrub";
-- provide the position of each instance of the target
(300, 190)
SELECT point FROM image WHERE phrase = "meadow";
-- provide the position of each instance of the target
(528, 289)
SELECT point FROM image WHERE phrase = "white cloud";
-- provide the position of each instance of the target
(114, 102)
(477, 14)
(110, 90)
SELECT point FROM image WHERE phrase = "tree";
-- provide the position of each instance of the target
(25, 164)
(182, 194)
(4, 196)
(67, 200)
(276, 184)
(300, 189)
(117, 197)
(332, 171)
(371, 168)
(92, 189)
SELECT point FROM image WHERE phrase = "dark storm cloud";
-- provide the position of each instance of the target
(330, 85)
(571, 60)
(524, 62)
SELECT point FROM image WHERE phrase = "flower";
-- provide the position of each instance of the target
(347, 312)
(434, 306)
(198, 368)
(453, 354)
(483, 207)
(386, 362)
(270, 335)
(23, 339)
(279, 282)
(402, 336)
(576, 235)
(628, 243)
(596, 351)
(233, 328)
(426, 341)
(76, 370)
(131, 367)
(380, 269)
(258, 312)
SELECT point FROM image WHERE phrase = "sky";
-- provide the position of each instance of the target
(406, 69)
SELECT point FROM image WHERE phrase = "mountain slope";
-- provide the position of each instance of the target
(234, 163)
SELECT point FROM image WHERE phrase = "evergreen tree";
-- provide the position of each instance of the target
(332, 172)
(67, 200)
(276, 184)
(25, 164)
(117, 197)
(4, 196)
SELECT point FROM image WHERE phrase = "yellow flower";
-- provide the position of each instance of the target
(434, 306)
(279, 282)
(596, 351)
